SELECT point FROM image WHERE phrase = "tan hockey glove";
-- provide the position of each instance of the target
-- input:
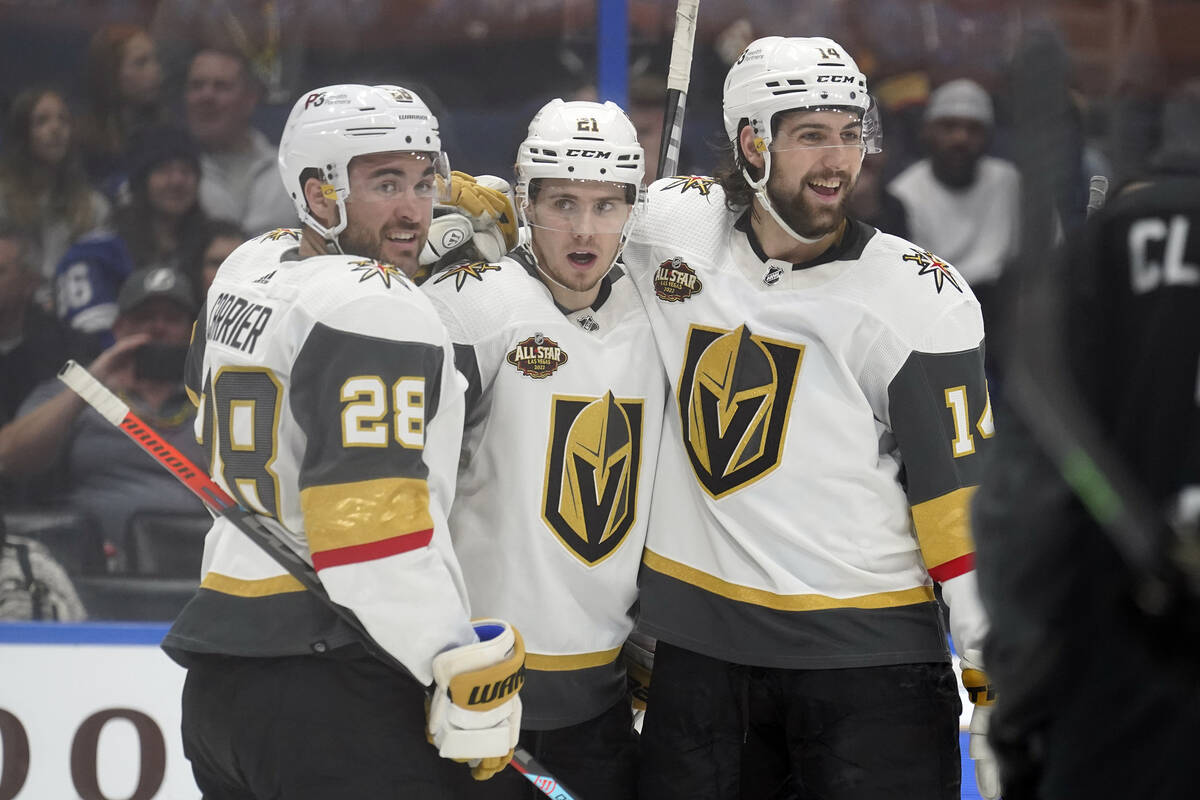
(487, 202)
(475, 711)
(979, 691)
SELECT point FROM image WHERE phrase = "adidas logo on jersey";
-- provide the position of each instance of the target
(266, 278)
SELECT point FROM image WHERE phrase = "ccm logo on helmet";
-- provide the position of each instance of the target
(835, 79)
(589, 153)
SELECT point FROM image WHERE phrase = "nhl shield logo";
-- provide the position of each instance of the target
(589, 498)
(537, 357)
(735, 398)
(675, 281)
(774, 273)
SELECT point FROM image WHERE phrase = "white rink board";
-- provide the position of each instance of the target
(52, 685)
(55, 677)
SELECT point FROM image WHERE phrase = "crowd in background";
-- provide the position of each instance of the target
(139, 138)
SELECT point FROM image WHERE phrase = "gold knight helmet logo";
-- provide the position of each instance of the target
(735, 397)
(590, 494)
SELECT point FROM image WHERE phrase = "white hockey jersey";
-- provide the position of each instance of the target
(564, 414)
(816, 414)
(329, 401)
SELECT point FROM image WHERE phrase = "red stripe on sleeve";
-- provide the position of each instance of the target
(358, 553)
(953, 568)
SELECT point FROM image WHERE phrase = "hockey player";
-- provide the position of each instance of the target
(331, 406)
(825, 429)
(1097, 697)
(564, 411)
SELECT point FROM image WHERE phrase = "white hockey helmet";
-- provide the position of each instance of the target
(777, 74)
(330, 126)
(583, 141)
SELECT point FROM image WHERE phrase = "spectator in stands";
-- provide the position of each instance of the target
(871, 202)
(43, 186)
(220, 238)
(161, 223)
(277, 38)
(163, 219)
(32, 344)
(124, 83)
(239, 178)
(102, 471)
(962, 204)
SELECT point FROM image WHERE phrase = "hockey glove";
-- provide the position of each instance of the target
(475, 712)
(979, 691)
(487, 202)
(638, 654)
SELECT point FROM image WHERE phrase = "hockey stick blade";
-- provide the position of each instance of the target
(678, 78)
(217, 500)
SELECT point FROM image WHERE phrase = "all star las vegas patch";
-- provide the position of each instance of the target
(675, 281)
(537, 357)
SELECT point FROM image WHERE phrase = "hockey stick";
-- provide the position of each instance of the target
(117, 412)
(678, 77)
(1038, 372)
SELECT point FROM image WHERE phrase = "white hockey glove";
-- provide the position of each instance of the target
(475, 711)
(487, 202)
(979, 690)
(449, 232)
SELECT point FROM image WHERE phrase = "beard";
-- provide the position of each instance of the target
(359, 241)
(805, 217)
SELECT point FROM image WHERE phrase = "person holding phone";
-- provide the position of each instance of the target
(85, 463)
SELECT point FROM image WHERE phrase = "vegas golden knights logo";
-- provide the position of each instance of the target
(592, 464)
(735, 396)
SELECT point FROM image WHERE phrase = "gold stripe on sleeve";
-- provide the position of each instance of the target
(349, 514)
(943, 526)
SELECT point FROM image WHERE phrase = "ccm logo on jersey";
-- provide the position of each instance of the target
(675, 281)
(537, 357)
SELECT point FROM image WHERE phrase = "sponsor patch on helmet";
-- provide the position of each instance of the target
(675, 281)
(537, 357)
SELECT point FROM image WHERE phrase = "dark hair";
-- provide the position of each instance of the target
(104, 127)
(24, 181)
(12, 232)
(738, 193)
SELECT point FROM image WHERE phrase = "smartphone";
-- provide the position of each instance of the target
(160, 362)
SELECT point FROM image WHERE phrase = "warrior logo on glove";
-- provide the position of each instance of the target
(735, 397)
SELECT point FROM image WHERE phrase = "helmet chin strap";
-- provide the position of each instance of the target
(760, 191)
